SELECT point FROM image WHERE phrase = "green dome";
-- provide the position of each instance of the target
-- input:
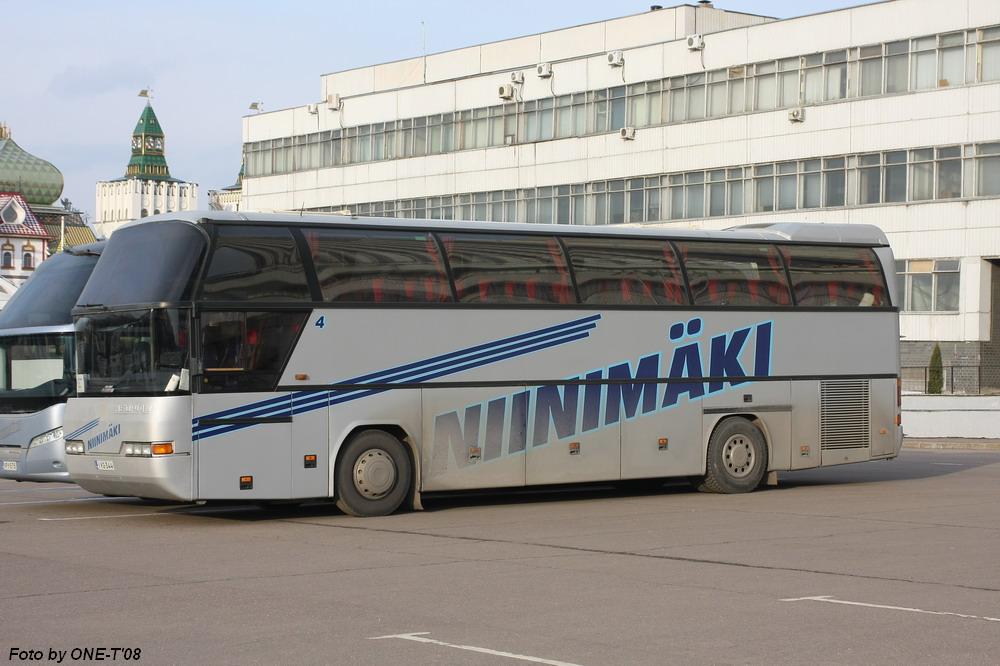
(37, 180)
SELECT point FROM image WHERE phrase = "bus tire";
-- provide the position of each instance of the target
(373, 475)
(737, 458)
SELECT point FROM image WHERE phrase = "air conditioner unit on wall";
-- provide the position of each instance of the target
(797, 115)
(616, 59)
(517, 77)
(627, 133)
(696, 42)
(544, 70)
(312, 108)
(333, 102)
(506, 91)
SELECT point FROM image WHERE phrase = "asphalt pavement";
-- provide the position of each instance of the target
(882, 562)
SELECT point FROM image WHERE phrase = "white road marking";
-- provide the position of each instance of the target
(120, 515)
(831, 600)
(418, 636)
(60, 501)
(950, 464)
(38, 490)
(157, 513)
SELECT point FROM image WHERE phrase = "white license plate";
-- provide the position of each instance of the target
(105, 465)
(10, 465)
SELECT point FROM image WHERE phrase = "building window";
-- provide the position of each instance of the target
(929, 285)
(8, 259)
(989, 54)
(28, 261)
(988, 169)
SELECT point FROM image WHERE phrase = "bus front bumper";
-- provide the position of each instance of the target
(38, 463)
(166, 477)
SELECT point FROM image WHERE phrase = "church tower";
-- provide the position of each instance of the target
(147, 188)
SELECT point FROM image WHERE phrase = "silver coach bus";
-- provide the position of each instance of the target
(268, 357)
(36, 366)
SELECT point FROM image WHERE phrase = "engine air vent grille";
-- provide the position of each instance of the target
(845, 421)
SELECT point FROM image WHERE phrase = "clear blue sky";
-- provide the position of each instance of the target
(72, 69)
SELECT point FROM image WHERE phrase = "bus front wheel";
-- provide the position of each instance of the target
(737, 458)
(373, 475)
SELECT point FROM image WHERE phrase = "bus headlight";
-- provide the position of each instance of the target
(74, 447)
(147, 450)
(137, 449)
(46, 437)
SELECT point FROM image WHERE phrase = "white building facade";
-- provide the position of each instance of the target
(885, 114)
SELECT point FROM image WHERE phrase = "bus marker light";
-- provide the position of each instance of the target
(246, 483)
(663, 443)
(301, 376)
(163, 449)
(574, 448)
(475, 453)
(805, 450)
(310, 461)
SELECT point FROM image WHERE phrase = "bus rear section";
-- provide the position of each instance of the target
(37, 366)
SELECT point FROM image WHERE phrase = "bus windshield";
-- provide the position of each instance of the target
(137, 352)
(159, 258)
(48, 296)
(35, 371)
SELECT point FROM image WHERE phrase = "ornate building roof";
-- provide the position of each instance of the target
(17, 218)
(38, 181)
(148, 161)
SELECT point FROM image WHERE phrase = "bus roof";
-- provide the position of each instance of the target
(855, 234)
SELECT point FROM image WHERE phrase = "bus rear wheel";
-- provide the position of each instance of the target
(737, 458)
(373, 475)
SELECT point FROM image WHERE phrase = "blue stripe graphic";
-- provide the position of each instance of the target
(432, 368)
(80, 431)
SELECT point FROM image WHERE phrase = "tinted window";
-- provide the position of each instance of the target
(735, 274)
(255, 264)
(246, 351)
(370, 266)
(510, 269)
(835, 276)
(48, 296)
(625, 272)
(146, 263)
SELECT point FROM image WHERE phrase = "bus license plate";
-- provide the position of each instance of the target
(105, 465)
(10, 465)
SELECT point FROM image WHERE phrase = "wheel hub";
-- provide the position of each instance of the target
(738, 455)
(374, 474)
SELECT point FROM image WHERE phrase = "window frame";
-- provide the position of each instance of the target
(906, 305)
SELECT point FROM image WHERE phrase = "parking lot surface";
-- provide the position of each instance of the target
(883, 562)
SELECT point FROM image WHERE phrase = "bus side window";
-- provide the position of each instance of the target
(508, 269)
(626, 272)
(378, 266)
(255, 264)
(741, 274)
(246, 351)
(825, 276)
